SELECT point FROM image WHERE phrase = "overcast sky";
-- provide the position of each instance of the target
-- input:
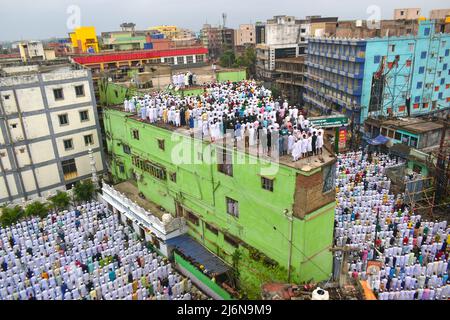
(41, 19)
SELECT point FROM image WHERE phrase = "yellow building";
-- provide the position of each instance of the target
(169, 32)
(84, 39)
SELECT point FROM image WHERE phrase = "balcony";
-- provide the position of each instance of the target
(142, 211)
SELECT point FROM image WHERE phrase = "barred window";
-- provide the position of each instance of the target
(211, 228)
(232, 207)
(192, 218)
(267, 183)
(231, 240)
(135, 134)
(153, 169)
(225, 162)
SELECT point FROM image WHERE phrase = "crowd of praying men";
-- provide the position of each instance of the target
(182, 80)
(244, 110)
(84, 254)
(377, 225)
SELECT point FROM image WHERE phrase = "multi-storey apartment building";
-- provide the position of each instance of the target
(407, 75)
(48, 124)
(282, 218)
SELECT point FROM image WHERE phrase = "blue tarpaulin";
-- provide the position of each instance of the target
(378, 140)
(196, 252)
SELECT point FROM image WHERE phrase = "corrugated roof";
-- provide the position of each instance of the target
(191, 248)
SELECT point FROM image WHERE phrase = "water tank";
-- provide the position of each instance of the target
(320, 294)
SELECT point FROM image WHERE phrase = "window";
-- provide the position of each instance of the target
(231, 240)
(417, 99)
(440, 96)
(413, 142)
(192, 218)
(267, 183)
(426, 31)
(84, 115)
(199, 58)
(232, 207)
(447, 52)
(173, 177)
(391, 133)
(79, 91)
(444, 67)
(189, 59)
(161, 144)
(135, 134)
(419, 85)
(225, 161)
(384, 132)
(329, 178)
(126, 149)
(398, 136)
(68, 144)
(421, 70)
(153, 169)
(211, 228)
(411, 47)
(14, 125)
(423, 54)
(376, 59)
(58, 94)
(69, 168)
(88, 140)
(392, 47)
(116, 93)
(121, 168)
(6, 96)
(180, 60)
(63, 119)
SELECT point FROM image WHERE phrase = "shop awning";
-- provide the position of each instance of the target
(198, 254)
(378, 140)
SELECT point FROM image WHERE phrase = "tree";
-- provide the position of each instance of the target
(84, 191)
(60, 201)
(10, 216)
(227, 59)
(36, 209)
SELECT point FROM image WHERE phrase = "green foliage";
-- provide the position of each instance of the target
(10, 216)
(60, 201)
(246, 60)
(227, 59)
(36, 209)
(84, 191)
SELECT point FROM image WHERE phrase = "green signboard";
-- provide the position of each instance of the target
(329, 121)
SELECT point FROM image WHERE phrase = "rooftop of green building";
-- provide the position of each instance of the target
(131, 191)
(305, 164)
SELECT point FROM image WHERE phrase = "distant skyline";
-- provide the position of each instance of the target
(43, 19)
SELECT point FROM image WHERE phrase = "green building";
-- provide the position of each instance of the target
(257, 215)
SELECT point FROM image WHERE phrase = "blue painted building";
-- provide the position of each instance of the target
(334, 79)
(399, 76)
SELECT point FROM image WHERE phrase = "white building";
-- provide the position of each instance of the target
(48, 122)
(284, 37)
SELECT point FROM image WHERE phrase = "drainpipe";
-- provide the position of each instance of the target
(291, 220)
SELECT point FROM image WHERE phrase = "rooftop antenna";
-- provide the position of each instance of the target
(224, 19)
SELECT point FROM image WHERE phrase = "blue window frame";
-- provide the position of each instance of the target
(417, 99)
(376, 59)
(426, 31)
(444, 67)
(442, 80)
(447, 52)
(419, 85)
(423, 54)
(440, 95)
(421, 69)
